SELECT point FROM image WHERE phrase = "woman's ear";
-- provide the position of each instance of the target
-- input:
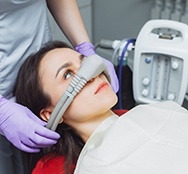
(46, 113)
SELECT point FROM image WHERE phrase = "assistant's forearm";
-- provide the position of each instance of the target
(67, 15)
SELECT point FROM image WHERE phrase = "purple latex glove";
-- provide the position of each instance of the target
(23, 129)
(87, 49)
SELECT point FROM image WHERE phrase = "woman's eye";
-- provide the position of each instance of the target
(68, 74)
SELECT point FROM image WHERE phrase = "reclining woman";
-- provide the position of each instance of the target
(148, 139)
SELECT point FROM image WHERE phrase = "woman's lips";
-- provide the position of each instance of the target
(101, 87)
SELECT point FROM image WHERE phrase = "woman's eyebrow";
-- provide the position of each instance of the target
(81, 57)
(62, 67)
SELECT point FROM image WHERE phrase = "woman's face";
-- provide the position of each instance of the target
(57, 69)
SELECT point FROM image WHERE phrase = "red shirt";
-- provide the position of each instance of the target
(50, 165)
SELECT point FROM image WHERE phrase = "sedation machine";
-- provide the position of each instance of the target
(160, 66)
(159, 61)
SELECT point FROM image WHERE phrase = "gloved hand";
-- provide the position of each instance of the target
(23, 129)
(87, 49)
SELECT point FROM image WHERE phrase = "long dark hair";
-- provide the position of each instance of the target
(28, 92)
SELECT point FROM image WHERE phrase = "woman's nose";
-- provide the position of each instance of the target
(91, 80)
(95, 78)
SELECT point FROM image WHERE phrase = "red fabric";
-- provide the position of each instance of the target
(49, 165)
(120, 111)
